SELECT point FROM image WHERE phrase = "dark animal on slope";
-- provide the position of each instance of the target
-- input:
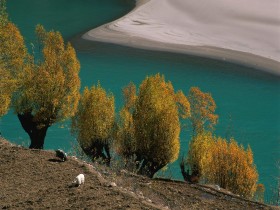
(61, 154)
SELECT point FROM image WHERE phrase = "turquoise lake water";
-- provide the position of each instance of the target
(247, 100)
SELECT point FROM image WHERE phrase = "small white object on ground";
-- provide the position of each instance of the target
(80, 179)
(112, 184)
(217, 187)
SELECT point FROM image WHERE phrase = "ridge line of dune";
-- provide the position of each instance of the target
(235, 36)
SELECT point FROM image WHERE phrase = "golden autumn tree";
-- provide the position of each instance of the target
(6, 90)
(150, 123)
(198, 154)
(49, 92)
(12, 58)
(224, 163)
(203, 108)
(203, 119)
(232, 167)
(125, 143)
(94, 122)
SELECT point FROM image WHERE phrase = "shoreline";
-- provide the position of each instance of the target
(226, 55)
(112, 33)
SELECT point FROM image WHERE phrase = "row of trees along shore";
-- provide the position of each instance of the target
(45, 89)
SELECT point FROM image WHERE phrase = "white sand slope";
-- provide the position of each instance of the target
(229, 29)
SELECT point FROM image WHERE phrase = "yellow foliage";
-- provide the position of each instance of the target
(183, 105)
(224, 163)
(50, 87)
(125, 143)
(203, 108)
(199, 152)
(5, 90)
(44, 91)
(156, 121)
(149, 126)
(12, 48)
(95, 117)
(12, 57)
(129, 94)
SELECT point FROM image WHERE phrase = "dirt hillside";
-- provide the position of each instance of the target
(36, 179)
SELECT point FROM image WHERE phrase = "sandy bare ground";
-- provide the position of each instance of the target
(245, 32)
(34, 179)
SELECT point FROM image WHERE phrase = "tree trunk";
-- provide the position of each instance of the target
(149, 168)
(37, 138)
(98, 150)
(186, 174)
(191, 178)
(36, 133)
(108, 156)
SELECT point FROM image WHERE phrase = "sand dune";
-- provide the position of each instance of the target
(246, 31)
